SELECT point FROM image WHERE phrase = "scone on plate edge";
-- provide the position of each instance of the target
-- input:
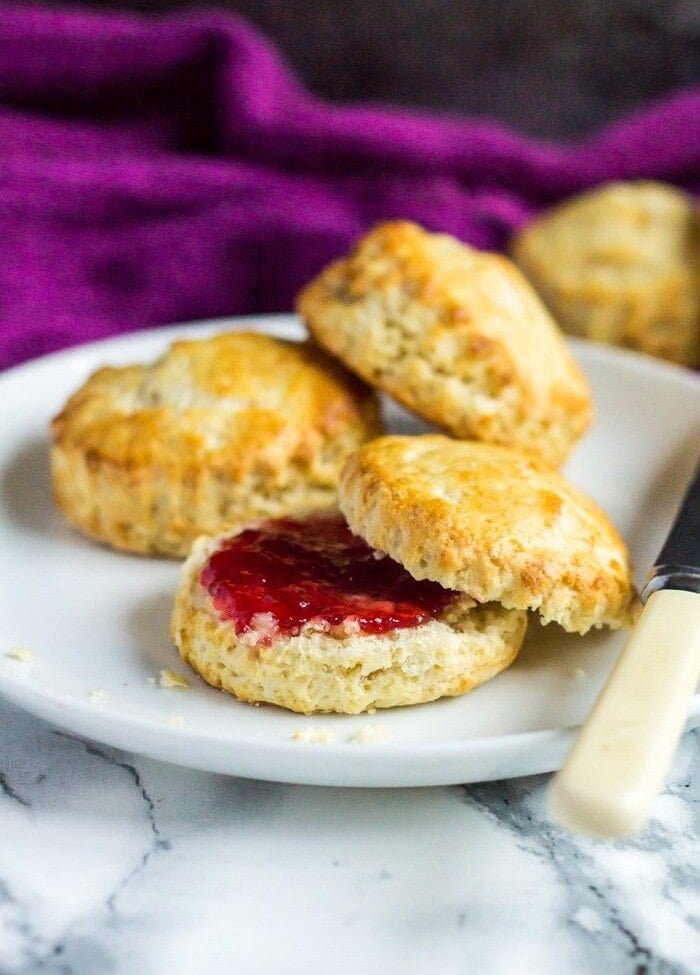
(456, 335)
(619, 264)
(216, 433)
(491, 522)
(324, 668)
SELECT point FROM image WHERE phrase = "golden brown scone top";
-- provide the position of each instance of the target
(619, 264)
(491, 522)
(455, 334)
(236, 402)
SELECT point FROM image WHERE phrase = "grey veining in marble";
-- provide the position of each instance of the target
(111, 863)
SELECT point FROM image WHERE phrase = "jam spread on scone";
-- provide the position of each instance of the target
(288, 574)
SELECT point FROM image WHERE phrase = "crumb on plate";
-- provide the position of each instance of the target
(371, 734)
(99, 696)
(21, 654)
(170, 679)
(316, 735)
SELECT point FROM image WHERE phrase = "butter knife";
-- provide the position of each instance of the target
(620, 758)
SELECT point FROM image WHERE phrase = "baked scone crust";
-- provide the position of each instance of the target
(316, 672)
(490, 522)
(620, 265)
(456, 335)
(214, 434)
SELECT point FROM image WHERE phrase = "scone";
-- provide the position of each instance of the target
(493, 523)
(454, 334)
(302, 614)
(216, 433)
(620, 265)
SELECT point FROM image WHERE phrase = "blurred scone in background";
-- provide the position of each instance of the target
(620, 265)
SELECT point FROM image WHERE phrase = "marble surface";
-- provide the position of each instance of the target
(112, 863)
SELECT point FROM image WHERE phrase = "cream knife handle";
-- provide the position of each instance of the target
(618, 763)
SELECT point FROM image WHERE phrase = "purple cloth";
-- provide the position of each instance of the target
(160, 170)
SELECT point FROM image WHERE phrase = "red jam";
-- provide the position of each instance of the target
(287, 574)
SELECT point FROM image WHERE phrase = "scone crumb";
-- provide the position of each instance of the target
(317, 736)
(152, 680)
(263, 627)
(171, 680)
(174, 720)
(349, 627)
(20, 653)
(578, 672)
(371, 734)
(98, 696)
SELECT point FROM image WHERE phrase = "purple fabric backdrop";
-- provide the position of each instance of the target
(160, 170)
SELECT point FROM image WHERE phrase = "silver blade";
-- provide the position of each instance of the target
(678, 563)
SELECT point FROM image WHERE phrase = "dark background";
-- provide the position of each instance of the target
(549, 67)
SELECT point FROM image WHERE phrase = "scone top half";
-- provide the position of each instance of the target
(215, 433)
(491, 522)
(454, 334)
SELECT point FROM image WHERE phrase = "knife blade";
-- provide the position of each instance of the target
(678, 563)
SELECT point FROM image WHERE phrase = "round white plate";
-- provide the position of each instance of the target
(97, 621)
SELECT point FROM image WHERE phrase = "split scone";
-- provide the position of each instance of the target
(456, 335)
(491, 522)
(216, 433)
(301, 613)
(620, 265)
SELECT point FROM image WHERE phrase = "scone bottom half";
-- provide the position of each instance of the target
(215, 434)
(300, 613)
(454, 334)
(492, 522)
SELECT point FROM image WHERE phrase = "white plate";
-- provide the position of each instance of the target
(98, 621)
